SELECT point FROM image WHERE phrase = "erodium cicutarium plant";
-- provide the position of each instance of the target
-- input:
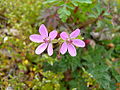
(68, 42)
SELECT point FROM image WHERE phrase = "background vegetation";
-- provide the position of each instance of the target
(96, 67)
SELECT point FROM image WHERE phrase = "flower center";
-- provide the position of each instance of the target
(69, 40)
(46, 40)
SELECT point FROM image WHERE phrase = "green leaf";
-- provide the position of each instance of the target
(74, 2)
(84, 1)
(64, 13)
(50, 1)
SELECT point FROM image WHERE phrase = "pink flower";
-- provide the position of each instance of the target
(70, 42)
(44, 39)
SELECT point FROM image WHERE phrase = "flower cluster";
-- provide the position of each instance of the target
(46, 41)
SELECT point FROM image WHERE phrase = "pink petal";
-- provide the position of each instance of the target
(43, 31)
(71, 50)
(53, 34)
(63, 48)
(75, 33)
(50, 49)
(41, 48)
(36, 38)
(78, 43)
(64, 35)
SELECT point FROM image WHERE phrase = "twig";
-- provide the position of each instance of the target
(91, 21)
